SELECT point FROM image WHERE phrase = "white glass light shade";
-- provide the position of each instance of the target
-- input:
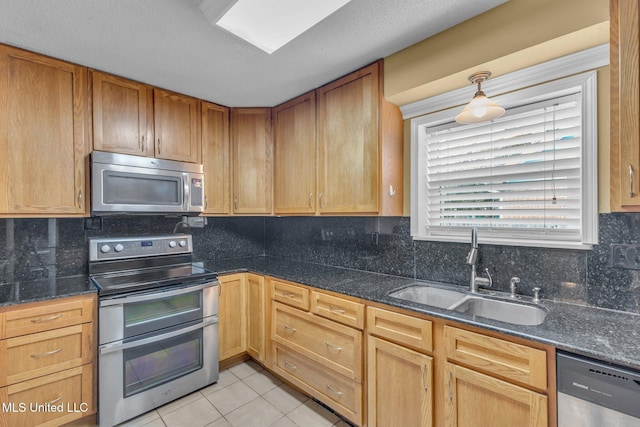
(480, 109)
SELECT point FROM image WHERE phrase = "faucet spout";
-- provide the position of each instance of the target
(472, 257)
(475, 282)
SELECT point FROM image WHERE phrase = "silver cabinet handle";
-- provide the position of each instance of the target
(80, 199)
(335, 310)
(235, 203)
(53, 401)
(425, 386)
(142, 143)
(310, 198)
(288, 294)
(158, 145)
(46, 319)
(449, 387)
(48, 353)
(206, 202)
(289, 328)
(320, 201)
(330, 346)
(334, 391)
(630, 181)
(289, 365)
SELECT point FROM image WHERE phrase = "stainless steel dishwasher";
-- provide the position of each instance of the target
(592, 393)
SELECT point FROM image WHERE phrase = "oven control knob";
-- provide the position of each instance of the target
(172, 244)
(183, 243)
(118, 247)
(105, 248)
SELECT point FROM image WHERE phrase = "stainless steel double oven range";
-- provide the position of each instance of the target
(158, 323)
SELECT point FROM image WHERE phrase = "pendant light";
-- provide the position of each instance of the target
(481, 108)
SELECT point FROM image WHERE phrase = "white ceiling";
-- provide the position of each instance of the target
(170, 43)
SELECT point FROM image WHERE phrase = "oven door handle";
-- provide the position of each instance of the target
(157, 295)
(119, 346)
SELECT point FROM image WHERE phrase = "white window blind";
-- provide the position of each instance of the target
(520, 171)
(527, 178)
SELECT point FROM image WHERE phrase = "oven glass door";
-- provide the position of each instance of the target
(146, 316)
(153, 364)
(162, 312)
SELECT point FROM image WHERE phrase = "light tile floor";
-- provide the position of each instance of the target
(244, 396)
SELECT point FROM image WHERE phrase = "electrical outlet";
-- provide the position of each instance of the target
(337, 233)
(625, 256)
(197, 221)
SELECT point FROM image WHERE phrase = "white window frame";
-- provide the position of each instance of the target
(514, 96)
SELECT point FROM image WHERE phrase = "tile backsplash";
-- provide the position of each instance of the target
(36, 249)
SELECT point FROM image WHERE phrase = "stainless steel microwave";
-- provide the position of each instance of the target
(125, 184)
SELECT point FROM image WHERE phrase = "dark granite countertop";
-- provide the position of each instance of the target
(607, 335)
(21, 292)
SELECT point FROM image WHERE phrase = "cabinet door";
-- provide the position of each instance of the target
(43, 135)
(294, 156)
(256, 314)
(400, 386)
(251, 139)
(232, 313)
(348, 153)
(177, 126)
(625, 105)
(215, 158)
(122, 115)
(476, 400)
(56, 399)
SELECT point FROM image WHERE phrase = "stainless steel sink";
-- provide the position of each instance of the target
(428, 295)
(472, 304)
(504, 311)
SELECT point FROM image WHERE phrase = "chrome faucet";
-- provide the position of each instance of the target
(476, 281)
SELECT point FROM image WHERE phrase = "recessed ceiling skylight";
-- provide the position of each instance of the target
(270, 24)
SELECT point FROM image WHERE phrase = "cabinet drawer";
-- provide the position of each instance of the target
(333, 345)
(31, 356)
(44, 317)
(63, 397)
(289, 294)
(340, 393)
(347, 312)
(497, 357)
(402, 329)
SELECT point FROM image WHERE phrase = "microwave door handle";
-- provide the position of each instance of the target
(119, 346)
(187, 192)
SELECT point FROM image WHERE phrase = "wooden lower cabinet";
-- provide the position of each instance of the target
(417, 370)
(474, 399)
(337, 391)
(256, 317)
(232, 315)
(399, 386)
(47, 360)
(51, 400)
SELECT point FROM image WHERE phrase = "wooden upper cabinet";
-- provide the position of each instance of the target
(43, 135)
(122, 115)
(252, 157)
(177, 126)
(359, 146)
(294, 156)
(625, 105)
(215, 158)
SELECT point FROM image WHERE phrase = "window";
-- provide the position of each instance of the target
(527, 178)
